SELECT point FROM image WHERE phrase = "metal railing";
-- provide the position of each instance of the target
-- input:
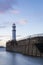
(32, 36)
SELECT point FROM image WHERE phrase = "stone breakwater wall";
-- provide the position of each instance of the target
(30, 46)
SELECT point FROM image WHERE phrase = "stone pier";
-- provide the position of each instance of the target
(30, 46)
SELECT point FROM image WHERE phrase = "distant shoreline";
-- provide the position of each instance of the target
(2, 47)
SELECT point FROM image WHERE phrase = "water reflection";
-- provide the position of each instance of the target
(8, 58)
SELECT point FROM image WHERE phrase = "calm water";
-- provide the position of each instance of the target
(7, 58)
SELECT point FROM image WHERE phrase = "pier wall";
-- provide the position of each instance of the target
(29, 46)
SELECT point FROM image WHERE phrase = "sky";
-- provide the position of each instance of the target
(26, 14)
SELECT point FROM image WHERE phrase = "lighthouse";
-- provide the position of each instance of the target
(14, 32)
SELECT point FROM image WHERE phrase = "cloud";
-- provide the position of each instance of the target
(1, 36)
(4, 24)
(6, 5)
(1, 12)
(23, 22)
(14, 11)
(18, 35)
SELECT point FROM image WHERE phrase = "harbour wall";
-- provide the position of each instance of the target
(30, 46)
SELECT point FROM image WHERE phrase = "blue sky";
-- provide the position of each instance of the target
(26, 14)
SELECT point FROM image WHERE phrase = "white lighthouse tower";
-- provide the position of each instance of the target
(14, 32)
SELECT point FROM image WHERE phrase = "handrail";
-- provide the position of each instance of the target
(32, 36)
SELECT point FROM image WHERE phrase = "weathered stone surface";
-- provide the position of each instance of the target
(26, 46)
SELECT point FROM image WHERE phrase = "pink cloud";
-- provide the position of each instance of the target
(1, 12)
(15, 12)
(23, 22)
(6, 5)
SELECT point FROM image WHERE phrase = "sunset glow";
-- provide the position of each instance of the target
(26, 14)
